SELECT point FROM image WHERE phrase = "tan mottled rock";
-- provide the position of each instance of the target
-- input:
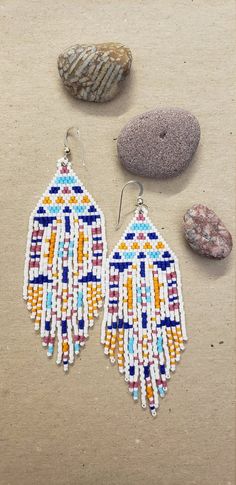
(93, 72)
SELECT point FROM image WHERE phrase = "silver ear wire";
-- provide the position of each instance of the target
(67, 151)
(139, 202)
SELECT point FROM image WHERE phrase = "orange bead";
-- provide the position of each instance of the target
(149, 392)
(65, 347)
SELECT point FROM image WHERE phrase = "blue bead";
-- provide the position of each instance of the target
(162, 369)
(64, 326)
(92, 209)
(41, 210)
(146, 371)
(40, 280)
(152, 235)
(66, 209)
(166, 254)
(117, 255)
(65, 275)
(77, 189)
(45, 221)
(129, 235)
(54, 190)
(131, 370)
(167, 321)
(144, 316)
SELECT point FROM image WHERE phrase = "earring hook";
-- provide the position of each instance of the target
(139, 202)
(67, 151)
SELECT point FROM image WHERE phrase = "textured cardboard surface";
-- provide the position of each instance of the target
(83, 428)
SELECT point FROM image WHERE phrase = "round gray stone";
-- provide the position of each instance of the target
(159, 143)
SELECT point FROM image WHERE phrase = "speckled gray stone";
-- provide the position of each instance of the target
(206, 233)
(159, 143)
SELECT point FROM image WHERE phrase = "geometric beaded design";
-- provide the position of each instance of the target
(144, 325)
(64, 264)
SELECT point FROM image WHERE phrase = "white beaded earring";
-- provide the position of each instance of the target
(64, 262)
(144, 323)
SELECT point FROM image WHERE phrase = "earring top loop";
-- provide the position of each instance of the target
(139, 202)
(67, 152)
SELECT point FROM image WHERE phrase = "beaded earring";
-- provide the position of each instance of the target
(144, 324)
(65, 262)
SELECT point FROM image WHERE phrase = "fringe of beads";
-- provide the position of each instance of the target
(144, 326)
(64, 272)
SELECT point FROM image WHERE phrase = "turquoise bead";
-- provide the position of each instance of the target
(50, 349)
(161, 391)
(77, 346)
(131, 345)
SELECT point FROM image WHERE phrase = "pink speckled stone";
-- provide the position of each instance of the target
(206, 233)
(159, 143)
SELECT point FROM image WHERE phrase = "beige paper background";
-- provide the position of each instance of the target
(83, 428)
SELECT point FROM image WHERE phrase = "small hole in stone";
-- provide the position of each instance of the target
(163, 134)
